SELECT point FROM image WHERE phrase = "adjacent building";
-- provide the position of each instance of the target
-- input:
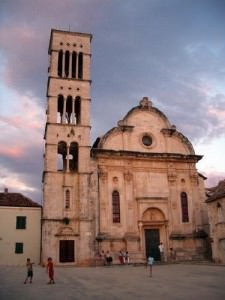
(137, 186)
(216, 212)
(20, 229)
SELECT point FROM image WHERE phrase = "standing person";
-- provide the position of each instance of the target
(50, 270)
(127, 258)
(172, 255)
(103, 257)
(161, 250)
(29, 266)
(108, 258)
(150, 262)
(124, 256)
(121, 257)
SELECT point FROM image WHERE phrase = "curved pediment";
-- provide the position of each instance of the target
(145, 129)
(153, 214)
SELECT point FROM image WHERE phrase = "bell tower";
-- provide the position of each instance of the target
(67, 222)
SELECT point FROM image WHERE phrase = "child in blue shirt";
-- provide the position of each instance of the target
(150, 262)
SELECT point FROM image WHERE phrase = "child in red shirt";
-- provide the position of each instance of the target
(50, 270)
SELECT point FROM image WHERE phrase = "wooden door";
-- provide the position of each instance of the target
(152, 240)
(66, 251)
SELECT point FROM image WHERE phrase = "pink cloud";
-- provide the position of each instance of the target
(12, 121)
(18, 122)
(220, 114)
(213, 178)
(12, 152)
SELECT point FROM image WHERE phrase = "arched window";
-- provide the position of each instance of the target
(67, 199)
(184, 207)
(60, 63)
(69, 109)
(74, 64)
(77, 109)
(116, 207)
(60, 109)
(67, 63)
(73, 157)
(80, 65)
(61, 161)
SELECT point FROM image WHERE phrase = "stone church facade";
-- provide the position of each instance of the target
(135, 187)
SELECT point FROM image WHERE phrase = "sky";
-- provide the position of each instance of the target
(171, 51)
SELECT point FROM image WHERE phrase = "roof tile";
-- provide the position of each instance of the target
(16, 200)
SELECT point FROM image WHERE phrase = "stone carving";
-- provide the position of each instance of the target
(145, 103)
(103, 175)
(128, 176)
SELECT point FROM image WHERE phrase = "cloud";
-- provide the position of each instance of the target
(21, 146)
(24, 68)
(213, 178)
(25, 117)
(169, 51)
(14, 182)
(11, 152)
(23, 173)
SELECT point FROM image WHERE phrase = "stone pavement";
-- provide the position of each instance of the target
(175, 282)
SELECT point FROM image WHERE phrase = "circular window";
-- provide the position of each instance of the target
(147, 140)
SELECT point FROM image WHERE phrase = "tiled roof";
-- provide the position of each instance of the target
(216, 192)
(16, 200)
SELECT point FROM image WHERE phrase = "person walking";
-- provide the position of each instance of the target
(150, 262)
(50, 271)
(29, 266)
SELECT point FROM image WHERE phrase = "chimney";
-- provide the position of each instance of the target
(6, 190)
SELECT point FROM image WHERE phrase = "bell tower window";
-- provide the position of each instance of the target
(80, 65)
(73, 157)
(60, 63)
(61, 161)
(67, 63)
(74, 64)
(77, 110)
(69, 109)
(60, 109)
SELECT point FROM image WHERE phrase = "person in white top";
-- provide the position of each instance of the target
(161, 250)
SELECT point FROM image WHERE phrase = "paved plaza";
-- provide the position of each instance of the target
(175, 281)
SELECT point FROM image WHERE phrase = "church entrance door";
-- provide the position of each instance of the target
(152, 241)
(66, 251)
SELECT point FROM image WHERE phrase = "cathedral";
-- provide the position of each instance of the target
(137, 186)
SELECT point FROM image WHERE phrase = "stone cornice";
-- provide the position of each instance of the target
(152, 198)
(144, 155)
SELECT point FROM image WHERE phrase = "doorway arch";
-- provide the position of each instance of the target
(154, 225)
